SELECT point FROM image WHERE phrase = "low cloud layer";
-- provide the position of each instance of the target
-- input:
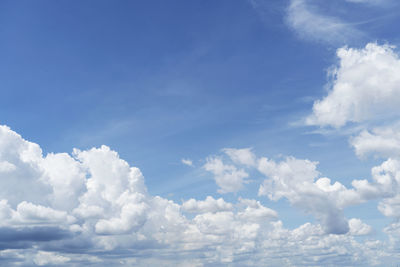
(91, 207)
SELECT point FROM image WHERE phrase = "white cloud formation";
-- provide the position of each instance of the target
(46, 258)
(309, 23)
(255, 211)
(6, 166)
(187, 162)
(366, 91)
(380, 141)
(370, 2)
(357, 227)
(385, 186)
(208, 205)
(242, 156)
(295, 180)
(109, 218)
(227, 177)
(366, 87)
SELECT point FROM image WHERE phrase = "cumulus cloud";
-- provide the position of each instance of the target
(208, 205)
(385, 185)
(110, 218)
(380, 141)
(255, 211)
(228, 177)
(46, 258)
(295, 180)
(241, 156)
(298, 181)
(366, 87)
(357, 227)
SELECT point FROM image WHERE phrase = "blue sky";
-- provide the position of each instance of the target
(283, 84)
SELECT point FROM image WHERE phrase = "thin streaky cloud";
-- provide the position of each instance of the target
(310, 24)
(187, 162)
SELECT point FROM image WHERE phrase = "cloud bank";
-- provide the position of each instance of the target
(91, 208)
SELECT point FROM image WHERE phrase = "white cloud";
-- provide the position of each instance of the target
(381, 141)
(366, 91)
(371, 2)
(294, 179)
(241, 156)
(29, 213)
(6, 166)
(208, 205)
(254, 211)
(385, 186)
(300, 183)
(227, 177)
(46, 258)
(309, 23)
(25, 176)
(366, 87)
(187, 162)
(110, 212)
(357, 227)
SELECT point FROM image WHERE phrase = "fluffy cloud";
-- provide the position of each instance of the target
(95, 210)
(228, 177)
(357, 227)
(366, 87)
(380, 141)
(46, 258)
(294, 179)
(208, 205)
(241, 156)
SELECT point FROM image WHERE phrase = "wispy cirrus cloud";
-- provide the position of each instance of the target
(187, 162)
(310, 23)
(371, 2)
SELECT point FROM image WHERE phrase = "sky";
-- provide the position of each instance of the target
(199, 133)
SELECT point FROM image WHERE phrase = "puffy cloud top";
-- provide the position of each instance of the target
(61, 209)
(366, 86)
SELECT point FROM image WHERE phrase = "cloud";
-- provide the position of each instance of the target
(227, 177)
(357, 227)
(110, 218)
(385, 186)
(255, 211)
(380, 141)
(46, 258)
(366, 87)
(208, 205)
(32, 233)
(242, 156)
(187, 162)
(309, 23)
(295, 180)
(371, 2)
(298, 181)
